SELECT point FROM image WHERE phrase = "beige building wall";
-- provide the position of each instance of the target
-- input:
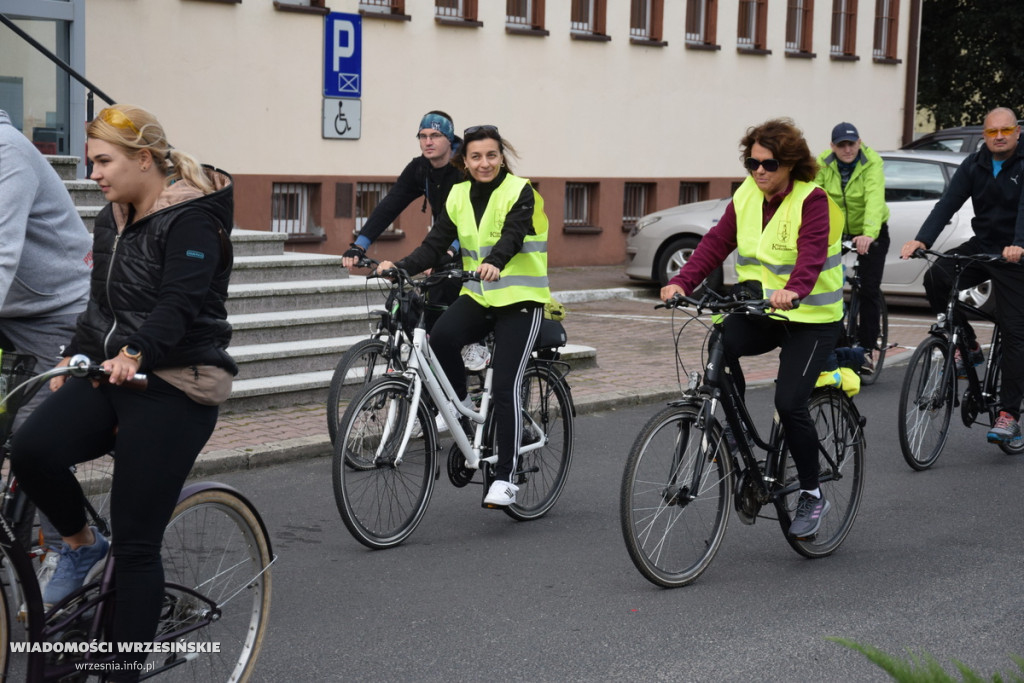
(239, 85)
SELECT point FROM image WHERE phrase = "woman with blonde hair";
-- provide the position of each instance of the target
(161, 263)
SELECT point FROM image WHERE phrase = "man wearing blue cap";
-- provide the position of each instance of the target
(431, 176)
(852, 174)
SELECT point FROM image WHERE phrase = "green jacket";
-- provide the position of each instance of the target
(863, 201)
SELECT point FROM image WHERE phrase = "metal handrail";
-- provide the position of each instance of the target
(63, 65)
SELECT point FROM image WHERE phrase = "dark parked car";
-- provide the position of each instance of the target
(965, 139)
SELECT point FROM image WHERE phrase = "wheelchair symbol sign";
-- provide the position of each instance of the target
(342, 118)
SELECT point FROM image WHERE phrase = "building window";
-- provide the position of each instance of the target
(586, 19)
(844, 28)
(524, 15)
(312, 6)
(635, 203)
(291, 208)
(456, 11)
(800, 27)
(692, 192)
(887, 13)
(368, 196)
(701, 22)
(645, 21)
(394, 8)
(578, 201)
(752, 31)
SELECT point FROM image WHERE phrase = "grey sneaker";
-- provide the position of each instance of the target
(1005, 430)
(809, 513)
(73, 567)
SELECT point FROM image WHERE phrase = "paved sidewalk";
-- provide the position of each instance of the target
(635, 365)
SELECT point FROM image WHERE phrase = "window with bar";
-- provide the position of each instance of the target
(455, 10)
(578, 198)
(692, 192)
(752, 31)
(586, 17)
(799, 26)
(635, 203)
(396, 7)
(640, 20)
(368, 196)
(526, 15)
(291, 208)
(844, 28)
(887, 13)
(701, 22)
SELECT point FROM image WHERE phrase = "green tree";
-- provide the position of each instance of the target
(972, 59)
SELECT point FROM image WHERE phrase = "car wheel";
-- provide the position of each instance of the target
(675, 256)
(980, 297)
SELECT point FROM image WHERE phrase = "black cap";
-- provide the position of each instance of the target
(845, 132)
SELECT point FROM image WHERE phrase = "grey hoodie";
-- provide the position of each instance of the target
(45, 249)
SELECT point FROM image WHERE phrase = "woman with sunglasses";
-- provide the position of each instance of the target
(499, 220)
(161, 263)
(786, 232)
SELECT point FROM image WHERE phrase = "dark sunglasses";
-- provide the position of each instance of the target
(770, 165)
(474, 129)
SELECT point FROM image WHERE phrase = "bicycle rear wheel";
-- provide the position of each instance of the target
(541, 473)
(214, 545)
(926, 404)
(675, 497)
(881, 345)
(840, 473)
(382, 499)
(364, 362)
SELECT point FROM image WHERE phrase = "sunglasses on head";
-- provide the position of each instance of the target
(770, 165)
(117, 119)
(1006, 132)
(474, 129)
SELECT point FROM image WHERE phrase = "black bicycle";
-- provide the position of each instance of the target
(682, 476)
(929, 392)
(852, 323)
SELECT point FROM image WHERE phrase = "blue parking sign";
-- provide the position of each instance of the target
(343, 38)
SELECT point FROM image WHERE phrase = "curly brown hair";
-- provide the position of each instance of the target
(786, 143)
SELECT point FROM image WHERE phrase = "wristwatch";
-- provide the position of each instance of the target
(132, 352)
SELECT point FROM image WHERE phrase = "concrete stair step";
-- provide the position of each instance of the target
(257, 242)
(85, 192)
(311, 387)
(282, 326)
(283, 296)
(286, 267)
(66, 166)
(291, 357)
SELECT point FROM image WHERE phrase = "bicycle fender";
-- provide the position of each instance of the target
(200, 486)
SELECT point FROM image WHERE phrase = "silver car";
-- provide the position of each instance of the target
(662, 241)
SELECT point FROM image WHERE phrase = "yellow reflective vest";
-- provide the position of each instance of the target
(525, 276)
(776, 245)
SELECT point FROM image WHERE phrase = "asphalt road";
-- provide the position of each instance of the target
(932, 565)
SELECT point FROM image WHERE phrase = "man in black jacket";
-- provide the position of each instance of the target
(991, 178)
(431, 176)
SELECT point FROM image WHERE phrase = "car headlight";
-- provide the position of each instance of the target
(644, 222)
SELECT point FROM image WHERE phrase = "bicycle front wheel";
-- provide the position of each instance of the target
(364, 362)
(382, 493)
(881, 345)
(840, 473)
(675, 497)
(926, 404)
(548, 415)
(215, 546)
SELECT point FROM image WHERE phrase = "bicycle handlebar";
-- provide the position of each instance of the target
(984, 258)
(78, 366)
(716, 303)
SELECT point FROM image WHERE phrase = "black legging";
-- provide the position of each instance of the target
(804, 349)
(515, 332)
(159, 433)
(870, 269)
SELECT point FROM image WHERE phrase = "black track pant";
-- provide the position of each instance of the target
(515, 332)
(159, 433)
(804, 349)
(870, 269)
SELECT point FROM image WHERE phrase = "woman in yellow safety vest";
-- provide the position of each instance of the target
(499, 221)
(789, 231)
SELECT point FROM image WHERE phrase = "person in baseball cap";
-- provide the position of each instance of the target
(845, 132)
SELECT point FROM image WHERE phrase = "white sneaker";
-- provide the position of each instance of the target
(501, 494)
(442, 426)
(475, 357)
(43, 576)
